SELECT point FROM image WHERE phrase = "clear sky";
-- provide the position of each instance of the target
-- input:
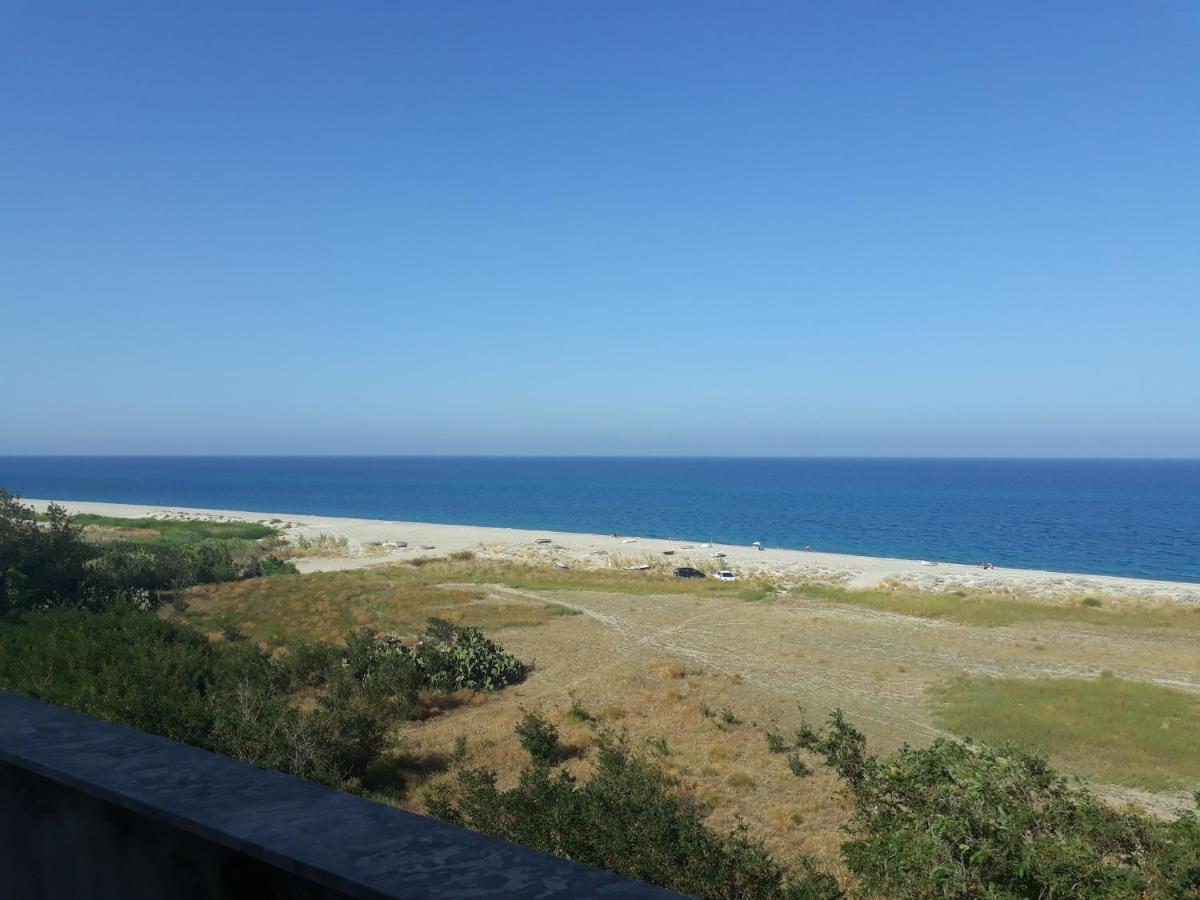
(819, 228)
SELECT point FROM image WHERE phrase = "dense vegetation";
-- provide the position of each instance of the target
(175, 531)
(968, 820)
(627, 817)
(952, 820)
(51, 561)
(232, 697)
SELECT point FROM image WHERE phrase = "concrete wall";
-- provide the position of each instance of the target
(89, 809)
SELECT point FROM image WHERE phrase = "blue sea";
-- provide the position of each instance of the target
(1118, 517)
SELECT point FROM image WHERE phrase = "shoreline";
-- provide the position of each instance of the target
(597, 551)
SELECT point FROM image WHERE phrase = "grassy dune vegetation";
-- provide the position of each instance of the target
(1114, 730)
(399, 598)
(325, 605)
(657, 734)
(997, 610)
(173, 531)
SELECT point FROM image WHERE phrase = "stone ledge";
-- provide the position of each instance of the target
(85, 802)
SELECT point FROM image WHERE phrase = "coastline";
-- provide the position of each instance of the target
(595, 550)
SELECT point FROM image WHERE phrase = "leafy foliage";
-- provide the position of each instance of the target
(41, 564)
(577, 712)
(452, 657)
(963, 820)
(272, 565)
(141, 671)
(122, 666)
(798, 766)
(539, 738)
(46, 561)
(626, 818)
(775, 741)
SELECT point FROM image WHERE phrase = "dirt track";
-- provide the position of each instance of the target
(873, 664)
(664, 665)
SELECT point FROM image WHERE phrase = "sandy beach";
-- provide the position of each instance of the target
(368, 539)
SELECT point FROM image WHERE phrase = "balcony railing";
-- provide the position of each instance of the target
(89, 809)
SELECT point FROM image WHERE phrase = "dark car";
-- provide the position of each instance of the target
(688, 572)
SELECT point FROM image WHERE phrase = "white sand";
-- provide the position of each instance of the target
(596, 550)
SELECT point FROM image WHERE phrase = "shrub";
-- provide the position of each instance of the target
(798, 766)
(49, 564)
(964, 820)
(307, 663)
(123, 666)
(142, 569)
(539, 738)
(257, 723)
(273, 565)
(452, 657)
(41, 564)
(775, 741)
(578, 712)
(628, 819)
(378, 664)
(168, 679)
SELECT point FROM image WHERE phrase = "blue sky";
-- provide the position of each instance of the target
(830, 228)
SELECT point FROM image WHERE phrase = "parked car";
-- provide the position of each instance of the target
(724, 575)
(688, 572)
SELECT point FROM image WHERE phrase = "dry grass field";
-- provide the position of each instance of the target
(697, 673)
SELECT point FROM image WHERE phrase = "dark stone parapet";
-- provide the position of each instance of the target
(89, 809)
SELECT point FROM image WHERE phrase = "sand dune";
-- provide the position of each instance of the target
(429, 539)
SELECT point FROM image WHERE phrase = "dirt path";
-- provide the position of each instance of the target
(671, 666)
(875, 665)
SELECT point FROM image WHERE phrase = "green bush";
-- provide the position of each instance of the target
(46, 562)
(138, 570)
(775, 741)
(452, 657)
(962, 820)
(139, 670)
(539, 738)
(123, 666)
(379, 666)
(41, 564)
(142, 568)
(578, 712)
(307, 663)
(273, 565)
(257, 722)
(626, 818)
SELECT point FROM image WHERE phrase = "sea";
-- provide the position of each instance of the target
(1137, 518)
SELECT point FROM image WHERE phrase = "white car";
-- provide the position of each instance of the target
(724, 575)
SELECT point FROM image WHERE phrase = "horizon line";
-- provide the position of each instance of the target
(664, 456)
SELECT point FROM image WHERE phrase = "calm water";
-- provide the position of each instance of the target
(1130, 517)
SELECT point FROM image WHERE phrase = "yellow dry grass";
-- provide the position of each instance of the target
(327, 605)
(667, 665)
